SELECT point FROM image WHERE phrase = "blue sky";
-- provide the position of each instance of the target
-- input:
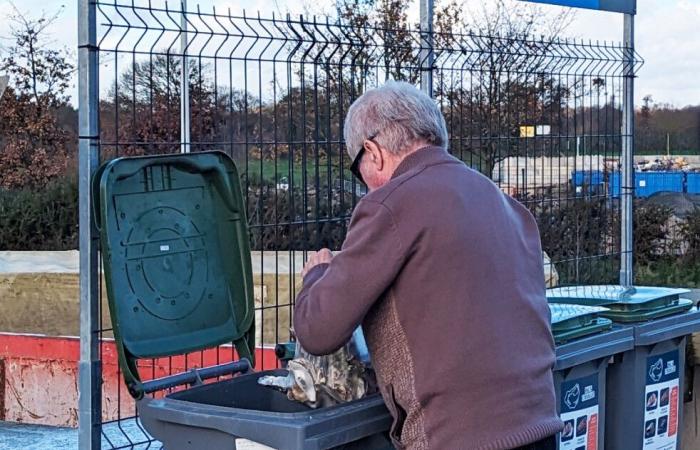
(667, 35)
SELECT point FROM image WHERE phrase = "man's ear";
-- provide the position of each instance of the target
(374, 154)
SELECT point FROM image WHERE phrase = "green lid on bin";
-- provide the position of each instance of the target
(574, 321)
(676, 307)
(631, 304)
(176, 256)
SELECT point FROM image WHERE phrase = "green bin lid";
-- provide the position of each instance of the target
(574, 321)
(631, 304)
(176, 256)
(678, 306)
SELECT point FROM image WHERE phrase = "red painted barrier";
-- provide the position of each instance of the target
(39, 377)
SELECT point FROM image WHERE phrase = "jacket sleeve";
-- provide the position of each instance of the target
(336, 297)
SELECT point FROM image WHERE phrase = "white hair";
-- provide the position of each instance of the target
(397, 115)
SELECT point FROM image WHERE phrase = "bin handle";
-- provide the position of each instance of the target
(194, 376)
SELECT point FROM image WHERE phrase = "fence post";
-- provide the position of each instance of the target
(90, 366)
(427, 55)
(627, 169)
(184, 83)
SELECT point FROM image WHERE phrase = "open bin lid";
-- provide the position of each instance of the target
(631, 304)
(176, 256)
(574, 321)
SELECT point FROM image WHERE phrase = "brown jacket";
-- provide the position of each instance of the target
(445, 274)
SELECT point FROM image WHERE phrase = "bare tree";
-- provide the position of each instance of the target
(33, 144)
(146, 99)
(506, 46)
(34, 66)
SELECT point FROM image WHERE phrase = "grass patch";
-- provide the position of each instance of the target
(276, 172)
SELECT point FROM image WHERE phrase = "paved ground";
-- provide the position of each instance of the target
(29, 437)
(32, 437)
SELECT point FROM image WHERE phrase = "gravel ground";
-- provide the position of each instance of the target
(15, 436)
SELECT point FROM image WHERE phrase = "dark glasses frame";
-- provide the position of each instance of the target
(355, 166)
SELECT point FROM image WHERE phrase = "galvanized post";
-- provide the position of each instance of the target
(90, 366)
(3, 84)
(427, 55)
(184, 84)
(627, 169)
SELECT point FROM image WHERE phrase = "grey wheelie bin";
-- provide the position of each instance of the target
(645, 385)
(585, 343)
(177, 267)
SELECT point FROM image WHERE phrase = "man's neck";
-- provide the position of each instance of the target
(396, 162)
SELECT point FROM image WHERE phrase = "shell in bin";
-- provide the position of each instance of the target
(321, 381)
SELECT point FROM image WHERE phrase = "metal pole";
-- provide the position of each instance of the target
(627, 169)
(184, 85)
(90, 366)
(4, 80)
(427, 55)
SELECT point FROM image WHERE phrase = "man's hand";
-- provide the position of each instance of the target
(323, 256)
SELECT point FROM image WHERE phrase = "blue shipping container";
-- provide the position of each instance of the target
(693, 180)
(588, 181)
(614, 184)
(649, 183)
(587, 177)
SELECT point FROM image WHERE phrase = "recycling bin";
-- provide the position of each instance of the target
(585, 343)
(645, 384)
(178, 275)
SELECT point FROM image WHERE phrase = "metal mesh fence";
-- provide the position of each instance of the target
(541, 117)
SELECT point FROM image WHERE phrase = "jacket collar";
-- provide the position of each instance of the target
(422, 157)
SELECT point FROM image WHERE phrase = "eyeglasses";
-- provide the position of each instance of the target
(355, 167)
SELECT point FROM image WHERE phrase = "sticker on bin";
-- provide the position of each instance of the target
(661, 402)
(579, 410)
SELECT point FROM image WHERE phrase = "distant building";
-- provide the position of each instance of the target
(528, 173)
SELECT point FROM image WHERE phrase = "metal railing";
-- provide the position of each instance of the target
(272, 92)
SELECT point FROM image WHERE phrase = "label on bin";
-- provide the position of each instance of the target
(578, 409)
(661, 402)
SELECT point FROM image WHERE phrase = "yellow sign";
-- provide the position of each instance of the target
(527, 131)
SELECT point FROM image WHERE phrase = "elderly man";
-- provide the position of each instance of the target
(444, 272)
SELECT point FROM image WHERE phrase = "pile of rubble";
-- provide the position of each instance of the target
(667, 164)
